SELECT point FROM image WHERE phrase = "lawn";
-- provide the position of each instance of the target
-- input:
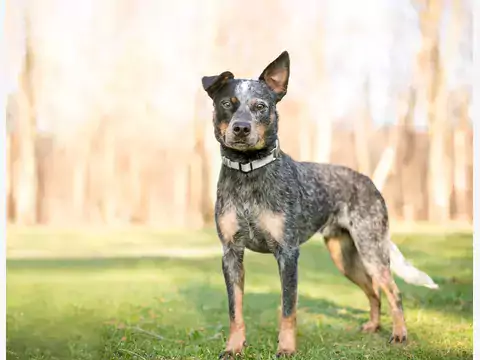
(145, 295)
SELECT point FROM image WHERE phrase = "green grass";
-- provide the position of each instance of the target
(66, 300)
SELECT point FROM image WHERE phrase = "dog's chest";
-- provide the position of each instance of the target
(258, 226)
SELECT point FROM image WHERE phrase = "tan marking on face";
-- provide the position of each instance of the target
(287, 335)
(234, 100)
(223, 128)
(273, 223)
(272, 117)
(260, 129)
(228, 225)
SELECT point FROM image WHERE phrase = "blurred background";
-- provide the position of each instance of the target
(112, 168)
(108, 124)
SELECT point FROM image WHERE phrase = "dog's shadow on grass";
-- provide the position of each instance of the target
(263, 308)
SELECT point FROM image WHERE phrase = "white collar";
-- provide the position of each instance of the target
(255, 164)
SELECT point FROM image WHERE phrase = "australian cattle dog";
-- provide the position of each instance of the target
(269, 203)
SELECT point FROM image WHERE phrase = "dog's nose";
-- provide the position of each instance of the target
(241, 128)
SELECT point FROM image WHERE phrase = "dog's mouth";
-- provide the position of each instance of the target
(245, 146)
(238, 145)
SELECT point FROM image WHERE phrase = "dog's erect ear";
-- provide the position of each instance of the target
(211, 84)
(276, 75)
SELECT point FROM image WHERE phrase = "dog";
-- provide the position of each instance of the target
(269, 203)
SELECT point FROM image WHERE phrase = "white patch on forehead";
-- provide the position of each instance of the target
(243, 90)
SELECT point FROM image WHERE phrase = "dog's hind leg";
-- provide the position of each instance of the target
(372, 243)
(345, 256)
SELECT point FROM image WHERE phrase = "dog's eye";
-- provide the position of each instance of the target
(260, 106)
(227, 104)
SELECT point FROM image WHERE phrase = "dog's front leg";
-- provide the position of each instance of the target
(233, 271)
(287, 259)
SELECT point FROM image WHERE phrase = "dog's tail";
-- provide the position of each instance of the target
(400, 266)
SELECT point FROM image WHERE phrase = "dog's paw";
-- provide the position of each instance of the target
(285, 353)
(227, 355)
(286, 343)
(232, 352)
(370, 327)
(398, 338)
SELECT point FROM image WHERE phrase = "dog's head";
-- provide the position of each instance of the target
(245, 116)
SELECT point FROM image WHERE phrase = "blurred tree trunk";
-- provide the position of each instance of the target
(362, 128)
(8, 181)
(109, 183)
(405, 168)
(206, 151)
(180, 184)
(25, 167)
(323, 138)
(462, 153)
(305, 139)
(469, 192)
(430, 63)
(198, 168)
(462, 149)
(80, 182)
(8, 156)
(398, 151)
(322, 118)
(202, 177)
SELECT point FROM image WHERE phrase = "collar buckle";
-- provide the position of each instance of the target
(245, 168)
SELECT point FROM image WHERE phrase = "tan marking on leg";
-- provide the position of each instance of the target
(237, 337)
(346, 258)
(358, 275)
(287, 336)
(399, 331)
(373, 293)
(228, 225)
(334, 246)
(273, 223)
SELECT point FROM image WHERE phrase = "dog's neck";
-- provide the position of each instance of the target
(244, 157)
